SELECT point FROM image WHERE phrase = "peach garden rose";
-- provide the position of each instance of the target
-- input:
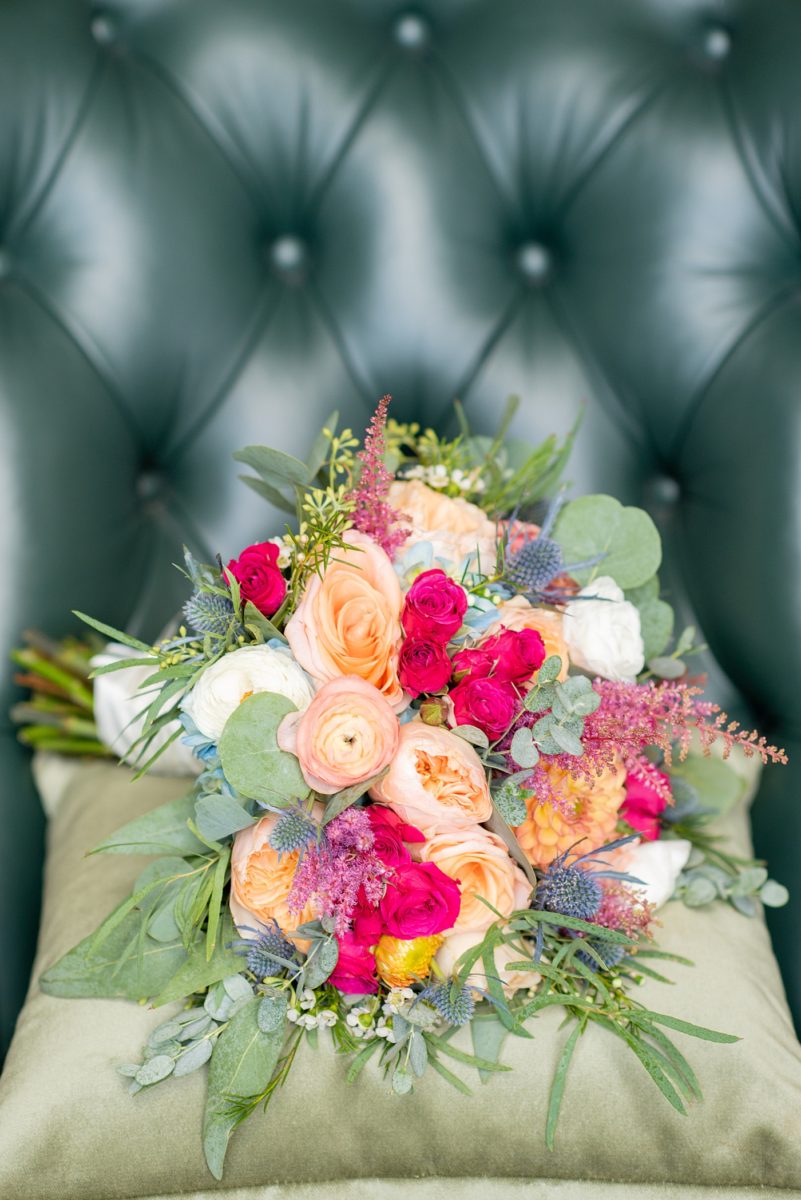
(435, 778)
(348, 621)
(481, 863)
(455, 528)
(347, 734)
(261, 880)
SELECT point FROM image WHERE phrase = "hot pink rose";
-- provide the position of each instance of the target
(643, 806)
(489, 704)
(355, 972)
(368, 924)
(512, 655)
(420, 901)
(390, 834)
(423, 666)
(260, 581)
(434, 607)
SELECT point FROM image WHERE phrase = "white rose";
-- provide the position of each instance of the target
(603, 635)
(222, 687)
(657, 865)
(118, 703)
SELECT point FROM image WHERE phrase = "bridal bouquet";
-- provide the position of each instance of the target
(441, 780)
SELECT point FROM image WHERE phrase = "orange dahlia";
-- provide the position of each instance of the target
(590, 813)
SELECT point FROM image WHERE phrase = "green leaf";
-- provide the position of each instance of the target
(271, 1013)
(716, 784)
(251, 760)
(773, 894)
(129, 963)
(471, 1060)
(567, 741)
(449, 1076)
(496, 824)
(655, 1069)
(488, 1036)
(402, 1081)
(242, 1064)
(656, 626)
(627, 537)
(162, 831)
(361, 1060)
(523, 749)
(418, 1053)
(257, 620)
(319, 451)
(155, 1069)
(699, 891)
(320, 962)
(274, 465)
(696, 1031)
(114, 635)
(342, 800)
(215, 901)
(194, 1057)
(686, 640)
(549, 671)
(473, 735)
(558, 1086)
(218, 816)
(667, 668)
(271, 494)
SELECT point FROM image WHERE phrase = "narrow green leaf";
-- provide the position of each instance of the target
(115, 635)
(271, 494)
(273, 464)
(558, 1086)
(162, 831)
(342, 800)
(218, 816)
(696, 1031)
(452, 1079)
(215, 902)
(198, 972)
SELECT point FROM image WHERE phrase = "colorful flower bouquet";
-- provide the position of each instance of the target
(441, 759)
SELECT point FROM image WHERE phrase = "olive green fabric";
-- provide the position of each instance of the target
(69, 1131)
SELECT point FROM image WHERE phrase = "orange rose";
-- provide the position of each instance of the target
(261, 880)
(512, 980)
(348, 621)
(456, 528)
(346, 735)
(435, 778)
(591, 814)
(483, 867)
(519, 614)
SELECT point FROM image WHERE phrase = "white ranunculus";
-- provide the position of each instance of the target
(603, 635)
(117, 704)
(658, 865)
(222, 687)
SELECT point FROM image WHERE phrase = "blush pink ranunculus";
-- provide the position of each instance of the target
(347, 734)
(348, 620)
(435, 778)
(420, 901)
(643, 805)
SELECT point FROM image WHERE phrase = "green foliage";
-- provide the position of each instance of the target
(251, 759)
(162, 831)
(242, 1064)
(344, 799)
(198, 972)
(219, 816)
(626, 537)
(656, 617)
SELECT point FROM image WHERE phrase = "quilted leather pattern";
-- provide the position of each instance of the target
(220, 220)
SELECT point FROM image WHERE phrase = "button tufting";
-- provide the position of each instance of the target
(149, 485)
(411, 31)
(664, 490)
(717, 43)
(533, 262)
(288, 256)
(103, 29)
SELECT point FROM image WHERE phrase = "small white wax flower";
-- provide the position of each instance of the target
(327, 1016)
(293, 1015)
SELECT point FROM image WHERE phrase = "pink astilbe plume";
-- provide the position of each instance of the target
(624, 908)
(373, 514)
(634, 716)
(334, 873)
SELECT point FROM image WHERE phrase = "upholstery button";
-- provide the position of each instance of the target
(664, 490)
(103, 29)
(533, 262)
(288, 256)
(149, 485)
(717, 43)
(411, 31)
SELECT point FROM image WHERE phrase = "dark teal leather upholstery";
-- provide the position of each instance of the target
(219, 220)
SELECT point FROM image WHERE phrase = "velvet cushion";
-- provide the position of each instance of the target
(69, 1131)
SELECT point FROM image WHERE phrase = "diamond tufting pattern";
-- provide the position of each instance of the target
(220, 220)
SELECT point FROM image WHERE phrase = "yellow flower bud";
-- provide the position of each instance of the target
(401, 962)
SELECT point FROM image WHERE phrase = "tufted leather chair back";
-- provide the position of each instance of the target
(219, 220)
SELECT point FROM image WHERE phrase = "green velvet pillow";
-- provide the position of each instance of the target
(70, 1131)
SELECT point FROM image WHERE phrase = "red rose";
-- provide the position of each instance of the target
(489, 704)
(643, 805)
(355, 972)
(390, 834)
(513, 655)
(434, 607)
(423, 666)
(259, 578)
(420, 901)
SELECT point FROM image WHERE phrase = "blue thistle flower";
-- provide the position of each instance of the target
(206, 612)
(456, 1009)
(540, 560)
(610, 952)
(269, 954)
(570, 890)
(293, 831)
